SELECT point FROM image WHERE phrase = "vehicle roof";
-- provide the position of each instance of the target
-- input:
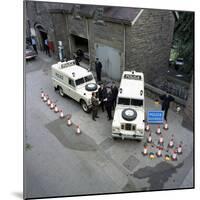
(131, 88)
(79, 72)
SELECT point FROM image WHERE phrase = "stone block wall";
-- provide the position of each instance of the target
(188, 113)
(148, 43)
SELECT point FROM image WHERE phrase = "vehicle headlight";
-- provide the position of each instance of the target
(115, 129)
(140, 131)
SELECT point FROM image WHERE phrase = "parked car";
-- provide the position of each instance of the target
(75, 82)
(30, 52)
(130, 108)
(179, 63)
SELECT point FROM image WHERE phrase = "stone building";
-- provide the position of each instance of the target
(188, 113)
(122, 38)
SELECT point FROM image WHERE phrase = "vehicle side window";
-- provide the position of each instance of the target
(71, 82)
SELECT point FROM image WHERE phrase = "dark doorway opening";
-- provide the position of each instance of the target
(80, 44)
(43, 38)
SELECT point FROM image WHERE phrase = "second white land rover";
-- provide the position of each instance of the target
(75, 82)
(129, 113)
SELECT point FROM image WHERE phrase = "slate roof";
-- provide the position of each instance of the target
(114, 14)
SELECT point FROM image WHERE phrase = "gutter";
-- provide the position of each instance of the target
(137, 17)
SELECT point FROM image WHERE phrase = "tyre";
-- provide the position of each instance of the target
(84, 106)
(129, 114)
(61, 92)
(91, 87)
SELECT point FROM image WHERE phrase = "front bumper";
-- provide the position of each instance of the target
(133, 136)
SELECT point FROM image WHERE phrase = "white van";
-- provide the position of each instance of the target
(129, 113)
(75, 82)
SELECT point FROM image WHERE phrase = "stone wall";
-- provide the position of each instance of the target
(61, 32)
(189, 110)
(148, 43)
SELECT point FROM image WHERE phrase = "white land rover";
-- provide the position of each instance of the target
(75, 82)
(129, 113)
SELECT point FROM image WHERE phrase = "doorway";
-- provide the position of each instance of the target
(110, 59)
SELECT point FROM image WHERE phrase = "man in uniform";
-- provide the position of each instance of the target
(98, 67)
(102, 95)
(109, 103)
(95, 104)
(166, 99)
(114, 90)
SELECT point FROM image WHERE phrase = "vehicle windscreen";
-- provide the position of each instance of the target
(88, 78)
(133, 102)
(136, 102)
(79, 81)
(124, 101)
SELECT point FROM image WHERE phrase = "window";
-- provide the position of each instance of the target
(136, 102)
(71, 82)
(79, 81)
(88, 78)
(124, 101)
(77, 12)
(99, 15)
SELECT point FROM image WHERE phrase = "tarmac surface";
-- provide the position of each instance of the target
(59, 162)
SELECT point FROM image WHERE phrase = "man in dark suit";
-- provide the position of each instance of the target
(98, 67)
(109, 103)
(114, 90)
(102, 95)
(166, 100)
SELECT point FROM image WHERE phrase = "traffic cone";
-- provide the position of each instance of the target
(69, 123)
(158, 131)
(147, 127)
(151, 155)
(48, 102)
(171, 143)
(161, 140)
(145, 151)
(52, 105)
(149, 139)
(45, 98)
(42, 94)
(179, 149)
(165, 127)
(61, 114)
(78, 131)
(174, 155)
(159, 152)
(56, 109)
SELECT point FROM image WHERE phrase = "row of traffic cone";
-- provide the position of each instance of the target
(176, 151)
(69, 123)
(158, 131)
(51, 104)
(54, 107)
(161, 140)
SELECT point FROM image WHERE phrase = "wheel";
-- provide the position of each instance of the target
(84, 106)
(61, 92)
(129, 114)
(91, 87)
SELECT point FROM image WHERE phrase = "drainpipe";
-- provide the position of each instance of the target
(88, 37)
(67, 26)
(124, 60)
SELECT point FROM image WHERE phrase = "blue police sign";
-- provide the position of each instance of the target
(155, 117)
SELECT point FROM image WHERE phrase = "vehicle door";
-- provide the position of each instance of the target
(71, 88)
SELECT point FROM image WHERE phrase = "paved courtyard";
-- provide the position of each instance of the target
(58, 162)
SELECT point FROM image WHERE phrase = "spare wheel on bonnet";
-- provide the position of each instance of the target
(129, 114)
(91, 87)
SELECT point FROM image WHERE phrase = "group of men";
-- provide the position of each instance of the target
(104, 98)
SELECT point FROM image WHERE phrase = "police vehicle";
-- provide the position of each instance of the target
(75, 82)
(129, 113)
